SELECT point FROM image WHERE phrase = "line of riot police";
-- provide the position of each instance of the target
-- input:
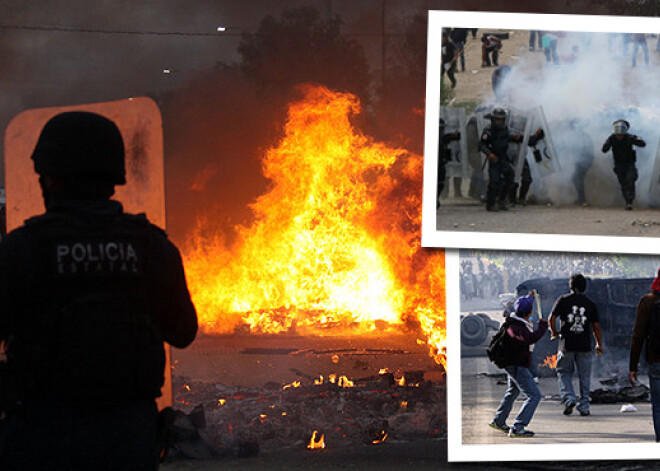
(497, 130)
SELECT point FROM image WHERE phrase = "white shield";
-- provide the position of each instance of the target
(542, 158)
(455, 121)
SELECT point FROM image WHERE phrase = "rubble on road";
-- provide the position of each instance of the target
(368, 411)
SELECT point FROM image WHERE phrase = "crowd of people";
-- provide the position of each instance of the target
(487, 276)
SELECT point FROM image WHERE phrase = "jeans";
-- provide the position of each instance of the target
(460, 48)
(520, 379)
(551, 52)
(654, 383)
(566, 363)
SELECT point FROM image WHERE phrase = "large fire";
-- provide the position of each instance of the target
(335, 243)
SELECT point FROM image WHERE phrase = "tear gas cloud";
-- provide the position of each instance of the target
(593, 85)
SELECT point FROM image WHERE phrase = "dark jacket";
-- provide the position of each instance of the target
(496, 141)
(520, 338)
(641, 330)
(83, 278)
(622, 149)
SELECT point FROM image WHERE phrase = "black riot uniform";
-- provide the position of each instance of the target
(495, 141)
(444, 156)
(88, 295)
(625, 157)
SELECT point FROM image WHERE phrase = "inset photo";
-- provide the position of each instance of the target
(542, 125)
(555, 349)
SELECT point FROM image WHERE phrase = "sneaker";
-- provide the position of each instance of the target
(568, 408)
(522, 433)
(584, 413)
(502, 428)
(492, 208)
(629, 207)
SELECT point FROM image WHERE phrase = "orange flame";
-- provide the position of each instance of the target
(316, 442)
(335, 243)
(344, 382)
(383, 436)
(550, 361)
(295, 384)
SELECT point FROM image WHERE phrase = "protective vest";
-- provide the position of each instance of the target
(86, 333)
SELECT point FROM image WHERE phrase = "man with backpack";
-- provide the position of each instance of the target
(88, 295)
(511, 350)
(647, 330)
(578, 319)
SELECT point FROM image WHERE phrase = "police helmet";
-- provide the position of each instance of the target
(81, 144)
(620, 127)
(498, 113)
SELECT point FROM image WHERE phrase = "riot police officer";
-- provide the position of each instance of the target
(625, 157)
(444, 156)
(88, 295)
(494, 144)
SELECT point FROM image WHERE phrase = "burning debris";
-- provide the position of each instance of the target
(317, 441)
(549, 362)
(333, 252)
(369, 411)
(334, 246)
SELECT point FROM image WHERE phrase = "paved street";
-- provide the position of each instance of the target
(606, 424)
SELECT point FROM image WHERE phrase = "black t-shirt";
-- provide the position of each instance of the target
(576, 313)
(448, 52)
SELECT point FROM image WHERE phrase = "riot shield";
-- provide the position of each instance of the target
(477, 187)
(482, 123)
(542, 158)
(456, 121)
(519, 123)
(654, 184)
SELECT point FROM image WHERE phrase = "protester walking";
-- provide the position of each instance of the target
(578, 319)
(519, 336)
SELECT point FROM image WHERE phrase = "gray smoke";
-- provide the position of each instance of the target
(598, 87)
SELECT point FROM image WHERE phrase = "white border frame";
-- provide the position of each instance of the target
(431, 237)
(457, 451)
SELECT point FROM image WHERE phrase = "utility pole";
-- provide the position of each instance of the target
(383, 43)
